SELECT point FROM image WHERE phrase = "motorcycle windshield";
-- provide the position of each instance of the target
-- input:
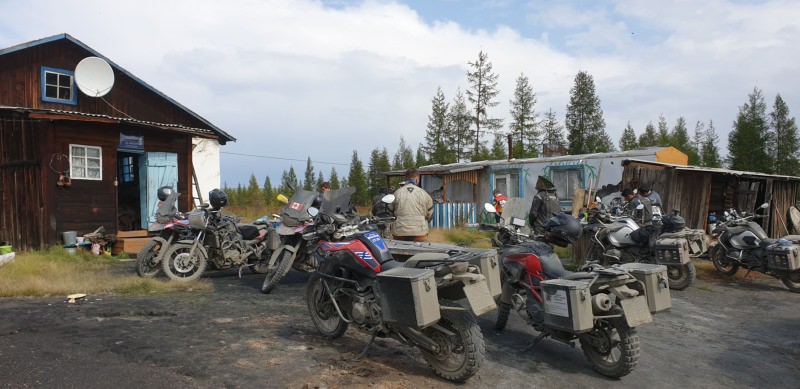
(337, 201)
(167, 210)
(296, 211)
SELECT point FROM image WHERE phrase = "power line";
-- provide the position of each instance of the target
(284, 159)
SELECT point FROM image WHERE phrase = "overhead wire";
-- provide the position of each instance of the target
(284, 159)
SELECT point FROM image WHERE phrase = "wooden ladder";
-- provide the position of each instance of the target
(197, 196)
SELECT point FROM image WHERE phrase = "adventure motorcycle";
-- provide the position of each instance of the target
(221, 241)
(293, 251)
(621, 240)
(415, 302)
(173, 227)
(598, 306)
(741, 242)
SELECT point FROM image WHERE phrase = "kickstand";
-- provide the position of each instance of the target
(364, 352)
(240, 271)
(746, 274)
(535, 342)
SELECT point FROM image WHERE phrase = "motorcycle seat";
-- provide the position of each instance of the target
(248, 231)
(767, 242)
(552, 268)
(426, 260)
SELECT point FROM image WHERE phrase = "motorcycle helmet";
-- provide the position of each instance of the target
(217, 198)
(562, 229)
(164, 192)
(672, 223)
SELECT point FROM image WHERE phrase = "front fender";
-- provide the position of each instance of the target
(279, 252)
(164, 246)
(199, 246)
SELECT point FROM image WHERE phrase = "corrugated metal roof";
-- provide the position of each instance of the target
(176, 127)
(215, 129)
(712, 170)
(466, 166)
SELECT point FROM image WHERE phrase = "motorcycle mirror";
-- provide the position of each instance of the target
(489, 208)
(388, 199)
(313, 211)
(283, 199)
(597, 198)
(764, 206)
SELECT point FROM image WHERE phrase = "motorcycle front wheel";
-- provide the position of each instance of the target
(792, 281)
(322, 310)
(723, 264)
(460, 355)
(681, 276)
(612, 347)
(146, 266)
(179, 265)
(277, 271)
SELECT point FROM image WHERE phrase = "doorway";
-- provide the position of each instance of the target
(128, 194)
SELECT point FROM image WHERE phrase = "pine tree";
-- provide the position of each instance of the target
(481, 94)
(709, 150)
(786, 143)
(747, 142)
(459, 137)
(404, 157)
(436, 137)
(334, 180)
(552, 131)
(524, 126)
(499, 147)
(628, 139)
(358, 179)
(268, 192)
(585, 125)
(309, 182)
(663, 132)
(649, 138)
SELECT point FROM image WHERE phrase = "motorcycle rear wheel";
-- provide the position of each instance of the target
(323, 313)
(723, 264)
(460, 356)
(503, 311)
(178, 265)
(792, 281)
(681, 276)
(146, 267)
(277, 271)
(615, 352)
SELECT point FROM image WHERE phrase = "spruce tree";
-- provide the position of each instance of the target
(459, 137)
(679, 138)
(378, 164)
(709, 150)
(268, 192)
(254, 197)
(663, 132)
(420, 159)
(648, 138)
(481, 94)
(436, 137)
(358, 178)
(552, 131)
(334, 180)
(404, 157)
(309, 181)
(628, 139)
(747, 142)
(586, 128)
(523, 126)
(499, 147)
(785, 145)
(697, 143)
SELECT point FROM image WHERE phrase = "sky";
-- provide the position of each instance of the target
(292, 79)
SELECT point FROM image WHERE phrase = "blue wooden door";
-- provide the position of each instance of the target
(156, 170)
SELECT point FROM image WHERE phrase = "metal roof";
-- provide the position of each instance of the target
(466, 166)
(215, 129)
(176, 127)
(713, 170)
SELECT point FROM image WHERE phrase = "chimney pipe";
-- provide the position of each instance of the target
(510, 147)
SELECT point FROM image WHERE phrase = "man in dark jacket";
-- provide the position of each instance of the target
(544, 204)
(643, 216)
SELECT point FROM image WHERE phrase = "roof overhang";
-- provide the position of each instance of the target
(712, 170)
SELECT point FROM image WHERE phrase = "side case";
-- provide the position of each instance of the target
(409, 297)
(656, 284)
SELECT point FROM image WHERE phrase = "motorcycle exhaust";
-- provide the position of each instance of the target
(601, 303)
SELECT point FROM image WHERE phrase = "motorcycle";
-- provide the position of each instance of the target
(741, 242)
(293, 251)
(600, 307)
(358, 283)
(619, 239)
(221, 241)
(173, 227)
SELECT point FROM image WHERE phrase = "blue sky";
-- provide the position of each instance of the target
(298, 78)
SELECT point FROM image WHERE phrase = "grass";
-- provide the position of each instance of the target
(462, 237)
(55, 273)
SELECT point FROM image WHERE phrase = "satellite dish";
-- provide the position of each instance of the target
(94, 76)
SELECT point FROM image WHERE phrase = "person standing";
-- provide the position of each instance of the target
(544, 205)
(650, 195)
(499, 200)
(413, 209)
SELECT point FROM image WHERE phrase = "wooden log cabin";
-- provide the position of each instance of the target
(71, 162)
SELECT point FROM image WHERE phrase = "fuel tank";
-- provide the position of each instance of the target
(619, 234)
(745, 240)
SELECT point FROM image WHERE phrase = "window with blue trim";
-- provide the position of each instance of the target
(507, 182)
(58, 86)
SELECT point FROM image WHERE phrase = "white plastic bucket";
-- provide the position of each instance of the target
(70, 237)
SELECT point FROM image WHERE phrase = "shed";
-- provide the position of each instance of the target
(698, 191)
(70, 162)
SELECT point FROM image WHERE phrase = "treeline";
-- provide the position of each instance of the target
(458, 131)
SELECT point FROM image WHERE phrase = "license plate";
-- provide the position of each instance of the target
(479, 298)
(636, 311)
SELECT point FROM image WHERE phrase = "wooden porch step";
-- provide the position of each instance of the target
(128, 245)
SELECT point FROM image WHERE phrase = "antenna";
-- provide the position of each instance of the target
(94, 76)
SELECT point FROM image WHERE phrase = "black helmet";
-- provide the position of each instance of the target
(217, 198)
(164, 192)
(562, 229)
(672, 223)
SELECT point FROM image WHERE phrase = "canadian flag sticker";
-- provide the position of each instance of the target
(296, 206)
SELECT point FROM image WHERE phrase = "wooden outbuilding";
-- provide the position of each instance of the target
(72, 162)
(697, 192)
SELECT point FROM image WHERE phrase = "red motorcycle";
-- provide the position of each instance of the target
(416, 302)
(174, 228)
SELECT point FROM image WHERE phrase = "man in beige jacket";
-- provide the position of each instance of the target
(413, 208)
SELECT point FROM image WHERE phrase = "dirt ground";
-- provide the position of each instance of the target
(718, 334)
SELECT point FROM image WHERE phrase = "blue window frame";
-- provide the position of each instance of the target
(58, 86)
